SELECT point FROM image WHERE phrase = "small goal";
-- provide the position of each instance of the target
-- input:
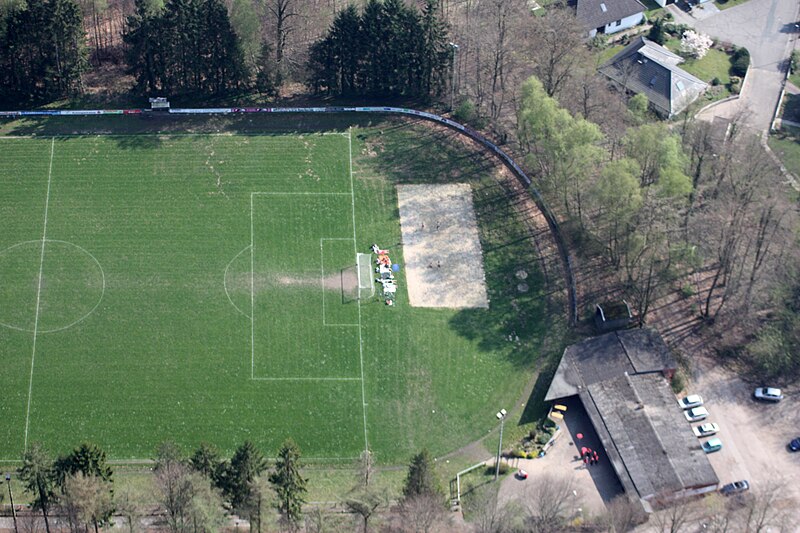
(357, 280)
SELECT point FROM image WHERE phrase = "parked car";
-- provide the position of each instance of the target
(706, 430)
(712, 445)
(768, 394)
(794, 446)
(696, 415)
(735, 487)
(693, 400)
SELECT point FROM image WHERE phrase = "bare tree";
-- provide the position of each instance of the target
(283, 12)
(622, 515)
(764, 509)
(550, 503)
(86, 501)
(488, 515)
(675, 517)
(422, 513)
(129, 503)
(556, 46)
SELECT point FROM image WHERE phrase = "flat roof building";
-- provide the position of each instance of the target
(620, 378)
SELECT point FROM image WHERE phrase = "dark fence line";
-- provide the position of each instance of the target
(466, 130)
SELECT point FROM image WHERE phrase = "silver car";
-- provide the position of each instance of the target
(695, 415)
(768, 394)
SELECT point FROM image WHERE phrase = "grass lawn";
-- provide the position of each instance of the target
(786, 145)
(158, 306)
(795, 79)
(729, 4)
(652, 8)
(607, 53)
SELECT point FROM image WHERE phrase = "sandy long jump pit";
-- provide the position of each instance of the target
(442, 250)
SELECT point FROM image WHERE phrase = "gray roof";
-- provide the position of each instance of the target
(596, 13)
(646, 67)
(646, 437)
(635, 351)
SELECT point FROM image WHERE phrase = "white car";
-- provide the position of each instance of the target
(696, 414)
(706, 430)
(693, 400)
(768, 394)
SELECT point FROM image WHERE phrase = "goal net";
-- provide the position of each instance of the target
(357, 280)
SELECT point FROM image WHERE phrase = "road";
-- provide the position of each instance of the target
(767, 29)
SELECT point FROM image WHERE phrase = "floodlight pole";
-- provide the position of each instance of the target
(501, 415)
(454, 46)
(11, 497)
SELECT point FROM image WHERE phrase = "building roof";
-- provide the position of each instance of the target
(635, 351)
(596, 13)
(647, 67)
(646, 437)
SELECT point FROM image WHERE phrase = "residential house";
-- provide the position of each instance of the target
(609, 16)
(647, 67)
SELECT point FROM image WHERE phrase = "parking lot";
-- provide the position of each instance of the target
(754, 434)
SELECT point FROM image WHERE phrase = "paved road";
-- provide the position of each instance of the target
(766, 28)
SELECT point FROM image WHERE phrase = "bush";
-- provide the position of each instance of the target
(716, 81)
(740, 61)
(465, 112)
(695, 44)
(657, 33)
(678, 382)
(735, 85)
(504, 469)
(531, 455)
(598, 42)
(687, 291)
(519, 454)
(543, 439)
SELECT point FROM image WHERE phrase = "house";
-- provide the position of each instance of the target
(609, 16)
(647, 67)
(620, 379)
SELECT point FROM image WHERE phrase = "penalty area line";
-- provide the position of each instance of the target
(38, 295)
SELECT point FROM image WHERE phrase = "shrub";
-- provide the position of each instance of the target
(598, 42)
(465, 112)
(519, 454)
(678, 382)
(716, 81)
(504, 468)
(657, 33)
(543, 439)
(740, 61)
(668, 16)
(735, 85)
(531, 455)
(687, 291)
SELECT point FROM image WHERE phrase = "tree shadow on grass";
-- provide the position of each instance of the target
(517, 320)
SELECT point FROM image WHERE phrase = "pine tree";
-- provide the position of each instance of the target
(38, 477)
(246, 465)
(421, 478)
(88, 459)
(289, 484)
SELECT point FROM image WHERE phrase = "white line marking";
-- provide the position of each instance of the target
(306, 379)
(38, 295)
(303, 193)
(225, 280)
(355, 251)
(84, 317)
(252, 297)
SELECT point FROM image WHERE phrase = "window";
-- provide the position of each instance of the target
(617, 23)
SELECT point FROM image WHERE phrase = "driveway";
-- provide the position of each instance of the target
(594, 485)
(754, 435)
(766, 28)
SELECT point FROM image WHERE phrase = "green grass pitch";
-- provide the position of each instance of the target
(189, 288)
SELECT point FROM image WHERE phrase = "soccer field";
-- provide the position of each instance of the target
(199, 288)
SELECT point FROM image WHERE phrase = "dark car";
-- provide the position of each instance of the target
(735, 487)
(794, 446)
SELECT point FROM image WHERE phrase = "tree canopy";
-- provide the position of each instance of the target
(389, 49)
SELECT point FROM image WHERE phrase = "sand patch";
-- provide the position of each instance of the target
(441, 246)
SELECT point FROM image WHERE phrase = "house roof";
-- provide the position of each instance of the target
(646, 437)
(646, 67)
(635, 351)
(596, 13)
